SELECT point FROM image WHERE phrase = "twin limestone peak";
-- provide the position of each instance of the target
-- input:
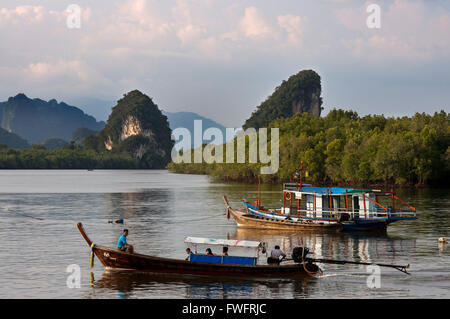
(313, 106)
(137, 126)
(299, 94)
(131, 126)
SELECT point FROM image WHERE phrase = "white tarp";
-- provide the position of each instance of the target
(223, 242)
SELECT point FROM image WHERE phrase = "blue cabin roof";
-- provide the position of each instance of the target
(331, 190)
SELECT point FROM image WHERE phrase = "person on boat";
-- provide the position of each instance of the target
(208, 251)
(225, 251)
(122, 244)
(277, 254)
(188, 252)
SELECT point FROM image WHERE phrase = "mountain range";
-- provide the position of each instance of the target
(37, 120)
(186, 120)
(25, 121)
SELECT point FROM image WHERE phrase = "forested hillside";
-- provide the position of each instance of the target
(343, 147)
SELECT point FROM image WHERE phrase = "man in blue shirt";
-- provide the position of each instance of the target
(188, 253)
(122, 243)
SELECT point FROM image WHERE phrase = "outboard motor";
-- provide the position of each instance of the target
(299, 254)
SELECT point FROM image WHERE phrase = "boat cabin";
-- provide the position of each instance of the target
(332, 202)
(240, 252)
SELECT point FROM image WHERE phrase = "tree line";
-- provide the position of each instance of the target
(344, 147)
(71, 156)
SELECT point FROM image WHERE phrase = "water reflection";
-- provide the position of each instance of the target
(127, 283)
(41, 209)
(139, 204)
(367, 247)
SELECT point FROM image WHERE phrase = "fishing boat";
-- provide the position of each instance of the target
(243, 260)
(325, 208)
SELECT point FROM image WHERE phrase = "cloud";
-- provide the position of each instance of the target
(253, 24)
(190, 32)
(189, 45)
(293, 26)
(67, 77)
(410, 31)
(24, 14)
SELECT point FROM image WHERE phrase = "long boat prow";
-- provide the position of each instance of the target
(83, 233)
(205, 265)
(226, 201)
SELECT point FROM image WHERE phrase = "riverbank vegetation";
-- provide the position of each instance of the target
(346, 148)
(68, 157)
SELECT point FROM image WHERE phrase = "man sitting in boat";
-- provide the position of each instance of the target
(122, 243)
(225, 251)
(276, 255)
(188, 252)
(208, 251)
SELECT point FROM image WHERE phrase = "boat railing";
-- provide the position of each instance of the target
(336, 213)
(294, 186)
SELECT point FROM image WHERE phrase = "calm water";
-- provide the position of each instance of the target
(40, 209)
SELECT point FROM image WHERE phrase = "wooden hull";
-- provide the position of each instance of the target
(253, 221)
(115, 259)
(254, 218)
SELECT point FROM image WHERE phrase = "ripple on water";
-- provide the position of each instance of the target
(40, 210)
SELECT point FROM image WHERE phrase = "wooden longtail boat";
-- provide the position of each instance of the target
(115, 259)
(325, 208)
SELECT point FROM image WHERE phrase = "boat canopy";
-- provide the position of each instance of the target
(223, 242)
(332, 190)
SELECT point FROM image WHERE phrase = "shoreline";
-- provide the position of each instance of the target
(254, 180)
(382, 185)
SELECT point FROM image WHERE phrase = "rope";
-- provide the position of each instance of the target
(307, 271)
(92, 280)
(92, 256)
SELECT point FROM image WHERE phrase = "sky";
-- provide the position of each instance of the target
(222, 58)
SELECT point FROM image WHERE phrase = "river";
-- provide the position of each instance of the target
(40, 209)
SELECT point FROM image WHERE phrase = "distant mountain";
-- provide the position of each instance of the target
(37, 120)
(12, 140)
(137, 127)
(186, 120)
(299, 94)
(98, 108)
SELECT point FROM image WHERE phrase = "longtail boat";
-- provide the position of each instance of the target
(242, 265)
(325, 208)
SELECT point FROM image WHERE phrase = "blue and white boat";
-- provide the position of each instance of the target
(308, 207)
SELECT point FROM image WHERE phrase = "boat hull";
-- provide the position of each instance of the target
(115, 259)
(254, 218)
(253, 221)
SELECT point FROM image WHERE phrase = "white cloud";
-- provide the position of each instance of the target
(254, 25)
(144, 43)
(25, 14)
(410, 31)
(190, 33)
(293, 25)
